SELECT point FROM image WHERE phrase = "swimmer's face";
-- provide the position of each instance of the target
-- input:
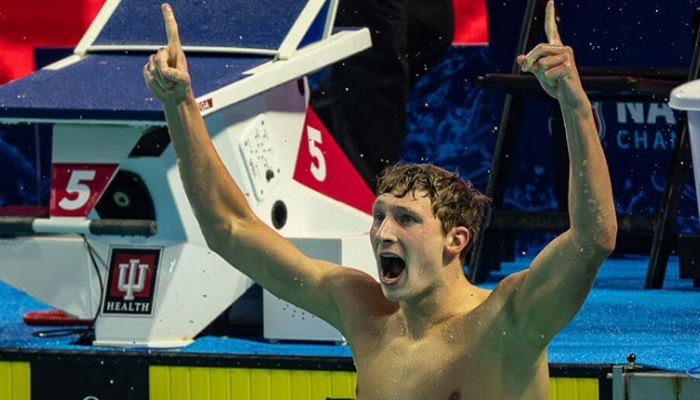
(408, 244)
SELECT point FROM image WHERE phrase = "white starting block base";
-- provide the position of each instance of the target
(192, 287)
(195, 286)
(694, 130)
(284, 321)
(687, 98)
(63, 280)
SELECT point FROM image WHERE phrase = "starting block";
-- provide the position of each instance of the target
(121, 245)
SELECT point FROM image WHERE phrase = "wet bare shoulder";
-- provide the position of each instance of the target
(508, 286)
(359, 299)
(499, 300)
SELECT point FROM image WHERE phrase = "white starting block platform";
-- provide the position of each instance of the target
(686, 97)
(121, 244)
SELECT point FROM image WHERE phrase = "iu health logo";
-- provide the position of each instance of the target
(132, 281)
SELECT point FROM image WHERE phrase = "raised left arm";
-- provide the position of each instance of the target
(553, 289)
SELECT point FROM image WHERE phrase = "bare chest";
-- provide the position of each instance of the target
(435, 368)
(446, 365)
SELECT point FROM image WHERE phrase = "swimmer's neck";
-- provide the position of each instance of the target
(437, 306)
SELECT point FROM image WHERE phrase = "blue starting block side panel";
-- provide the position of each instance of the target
(251, 24)
(109, 87)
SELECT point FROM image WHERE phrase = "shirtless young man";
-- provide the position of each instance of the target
(423, 332)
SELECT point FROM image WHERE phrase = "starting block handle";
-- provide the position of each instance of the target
(124, 227)
(119, 227)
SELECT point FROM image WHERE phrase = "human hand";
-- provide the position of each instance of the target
(166, 72)
(554, 66)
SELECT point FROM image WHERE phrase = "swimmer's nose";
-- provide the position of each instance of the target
(385, 233)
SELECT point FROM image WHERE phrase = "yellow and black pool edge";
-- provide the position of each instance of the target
(40, 374)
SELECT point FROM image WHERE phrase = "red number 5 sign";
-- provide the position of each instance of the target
(322, 166)
(76, 188)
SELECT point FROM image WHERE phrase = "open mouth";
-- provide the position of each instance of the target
(392, 268)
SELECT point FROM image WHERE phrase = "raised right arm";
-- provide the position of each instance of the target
(229, 225)
(555, 286)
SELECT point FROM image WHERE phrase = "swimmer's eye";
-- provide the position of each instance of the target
(379, 217)
(407, 219)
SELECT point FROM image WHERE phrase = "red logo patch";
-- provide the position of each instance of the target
(131, 282)
(205, 105)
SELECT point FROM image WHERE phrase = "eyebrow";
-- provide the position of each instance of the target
(392, 206)
(405, 209)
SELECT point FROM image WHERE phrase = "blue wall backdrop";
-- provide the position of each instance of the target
(25, 161)
(453, 123)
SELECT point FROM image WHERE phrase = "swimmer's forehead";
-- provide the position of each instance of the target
(410, 202)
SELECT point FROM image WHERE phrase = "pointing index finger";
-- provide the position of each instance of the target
(550, 24)
(174, 45)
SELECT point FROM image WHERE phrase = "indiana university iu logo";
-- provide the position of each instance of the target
(132, 281)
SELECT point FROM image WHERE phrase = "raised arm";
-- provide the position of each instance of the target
(560, 277)
(229, 225)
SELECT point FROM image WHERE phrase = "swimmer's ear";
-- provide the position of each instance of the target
(458, 239)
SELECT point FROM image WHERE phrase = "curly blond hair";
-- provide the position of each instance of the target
(454, 201)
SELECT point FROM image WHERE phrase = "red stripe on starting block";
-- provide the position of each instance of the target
(323, 167)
